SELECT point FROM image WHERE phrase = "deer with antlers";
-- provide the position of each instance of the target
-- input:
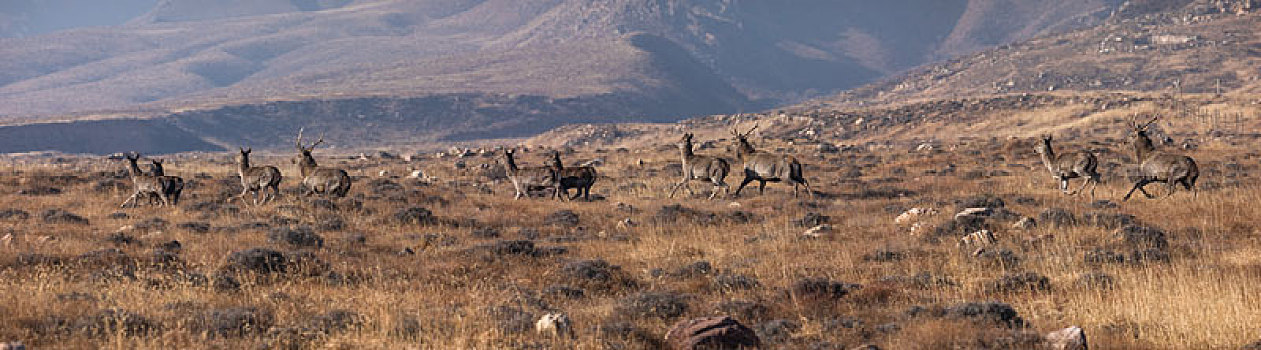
(145, 185)
(696, 167)
(580, 178)
(316, 179)
(263, 181)
(767, 167)
(1070, 165)
(525, 179)
(1156, 166)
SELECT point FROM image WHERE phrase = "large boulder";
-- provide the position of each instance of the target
(720, 332)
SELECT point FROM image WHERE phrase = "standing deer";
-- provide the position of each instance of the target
(316, 179)
(580, 178)
(712, 169)
(172, 186)
(257, 179)
(144, 185)
(765, 167)
(524, 179)
(1069, 166)
(1154, 166)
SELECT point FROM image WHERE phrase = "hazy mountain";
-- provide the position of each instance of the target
(663, 59)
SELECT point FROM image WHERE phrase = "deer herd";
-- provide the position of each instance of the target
(1152, 166)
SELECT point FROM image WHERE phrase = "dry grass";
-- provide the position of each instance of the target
(455, 293)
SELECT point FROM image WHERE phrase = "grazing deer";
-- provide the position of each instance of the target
(172, 186)
(144, 185)
(316, 179)
(525, 179)
(712, 169)
(765, 167)
(1154, 166)
(1069, 166)
(580, 178)
(258, 179)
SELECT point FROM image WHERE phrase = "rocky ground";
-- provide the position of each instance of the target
(954, 243)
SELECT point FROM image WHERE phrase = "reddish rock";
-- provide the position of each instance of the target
(719, 332)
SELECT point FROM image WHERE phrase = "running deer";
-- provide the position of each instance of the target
(1070, 165)
(1155, 166)
(316, 179)
(767, 167)
(144, 185)
(172, 186)
(259, 179)
(712, 169)
(580, 178)
(525, 179)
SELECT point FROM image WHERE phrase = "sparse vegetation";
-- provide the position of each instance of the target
(452, 261)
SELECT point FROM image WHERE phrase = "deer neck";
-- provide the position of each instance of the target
(556, 162)
(1048, 159)
(745, 149)
(243, 165)
(307, 166)
(686, 150)
(1143, 147)
(512, 164)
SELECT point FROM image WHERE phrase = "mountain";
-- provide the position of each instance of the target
(646, 59)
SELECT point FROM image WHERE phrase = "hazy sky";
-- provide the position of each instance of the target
(30, 17)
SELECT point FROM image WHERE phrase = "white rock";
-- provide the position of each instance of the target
(913, 215)
(626, 224)
(917, 228)
(7, 240)
(554, 324)
(734, 205)
(383, 173)
(818, 231)
(1025, 223)
(978, 239)
(418, 174)
(974, 212)
(17, 345)
(1071, 338)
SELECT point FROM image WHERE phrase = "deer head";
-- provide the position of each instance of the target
(743, 139)
(1043, 146)
(304, 152)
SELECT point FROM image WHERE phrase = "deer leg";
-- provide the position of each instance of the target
(1137, 186)
(129, 199)
(809, 191)
(743, 183)
(1083, 186)
(1172, 184)
(676, 187)
(761, 187)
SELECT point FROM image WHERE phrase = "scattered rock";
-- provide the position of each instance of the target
(565, 218)
(735, 281)
(1095, 280)
(195, 227)
(232, 322)
(1104, 204)
(914, 215)
(821, 231)
(1071, 338)
(598, 274)
(777, 331)
(415, 216)
(982, 201)
(813, 219)
(58, 216)
(662, 305)
(14, 214)
(973, 212)
(1019, 282)
(14, 345)
(988, 312)
(1057, 217)
(1141, 237)
(821, 288)
(554, 325)
(1025, 223)
(115, 322)
(980, 238)
(302, 237)
(1107, 220)
(257, 260)
(711, 333)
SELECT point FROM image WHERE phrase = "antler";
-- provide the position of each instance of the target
(299, 141)
(317, 143)
(1150, 122)
(755, 125)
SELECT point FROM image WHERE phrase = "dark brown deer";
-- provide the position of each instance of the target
(525, 179)
(263, 181)
(767, 167)
(172, 186)
(580, 178)
(712, 169)
(1155, 166)
(144, 185)
(316, 179)
(1070, 165)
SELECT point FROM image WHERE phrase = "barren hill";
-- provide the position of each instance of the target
(652, 60)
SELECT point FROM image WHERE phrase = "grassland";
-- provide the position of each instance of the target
(475, 269)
